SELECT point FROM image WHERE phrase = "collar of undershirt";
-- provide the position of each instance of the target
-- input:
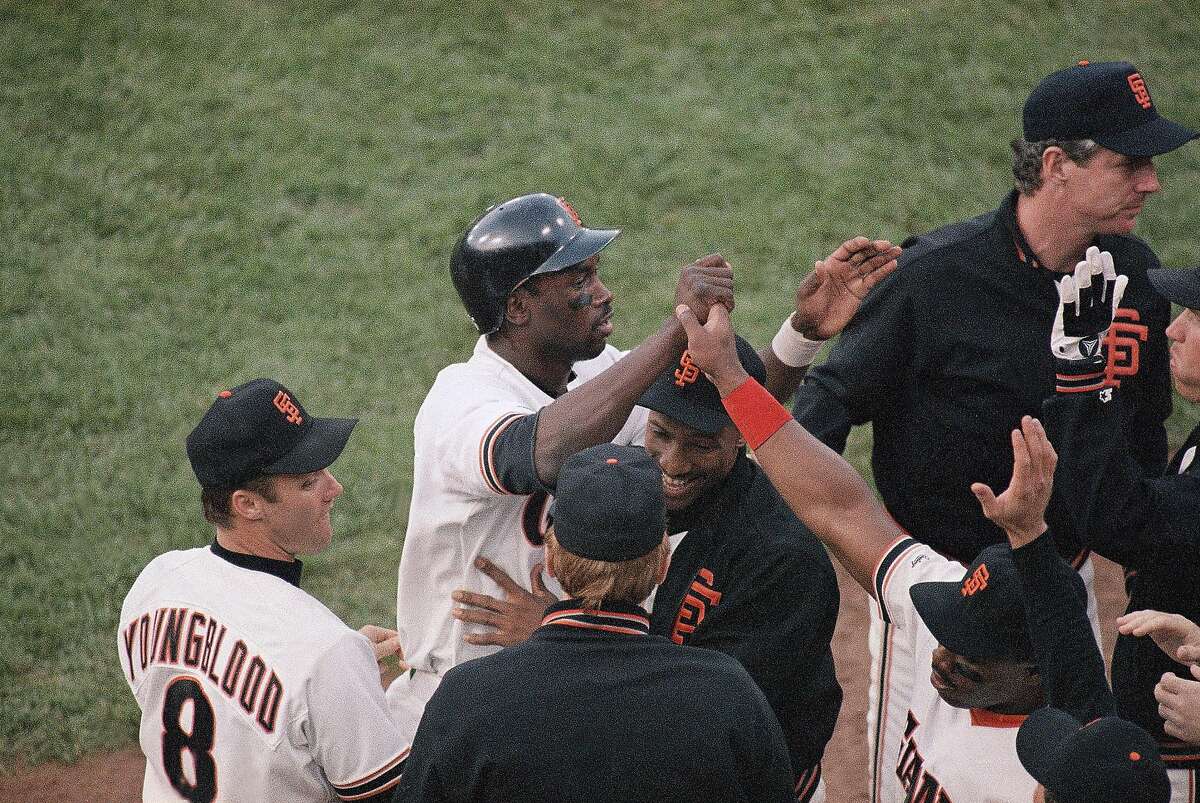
(287, 570)
(982, 718)
(723, 498)
(610, 617)
(1008, 215)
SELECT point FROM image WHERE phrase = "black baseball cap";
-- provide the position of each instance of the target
(1181, 287)
(608, 504)
(982, 615)
(261, 428)
(683, 392)
(1107, 102)
(1108, 759)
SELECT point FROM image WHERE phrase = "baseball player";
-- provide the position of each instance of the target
(1076, 747)
(251, 689)
(950, 353)
(1148, 523)
(594, 708)
(967, 629)
(492, 432)
(746, 578)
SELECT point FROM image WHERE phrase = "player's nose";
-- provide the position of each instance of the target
(335, 487)
(601, 295)
(1148, 179)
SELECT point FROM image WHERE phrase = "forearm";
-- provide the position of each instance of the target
(782, 379)
(821, 488)
(1071, 667)
(595, 411)
(1099, 483)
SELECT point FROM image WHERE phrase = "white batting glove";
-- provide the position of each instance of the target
(1087, 303)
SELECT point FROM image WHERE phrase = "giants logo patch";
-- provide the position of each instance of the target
(284, 404)
(1140, 93)
(1124, 340)
(570, 210)
(976, 582)
(687, 372)
(696, 602)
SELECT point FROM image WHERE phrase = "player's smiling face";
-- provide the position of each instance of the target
(999, 684)
(1184, 334)
(299, 516)
(571, 310)
(693, 463)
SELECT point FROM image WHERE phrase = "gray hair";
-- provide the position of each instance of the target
(1027, 159)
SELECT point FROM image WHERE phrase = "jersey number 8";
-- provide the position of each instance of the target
(198, 741)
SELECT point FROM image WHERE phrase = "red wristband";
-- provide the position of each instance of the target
(755, 412)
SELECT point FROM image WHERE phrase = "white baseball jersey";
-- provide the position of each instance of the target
(460, 510)
(251, 689)
(894, 669)
(942, 754)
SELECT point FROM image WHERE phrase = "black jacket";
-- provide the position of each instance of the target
(751, 581)
(593, 709)
(1149, 524)
(948, 353)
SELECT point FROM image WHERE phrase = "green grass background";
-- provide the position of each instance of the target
(196, 194)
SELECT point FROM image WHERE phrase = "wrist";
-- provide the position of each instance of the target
(755, 412)
(1025, 534)
(791, 346)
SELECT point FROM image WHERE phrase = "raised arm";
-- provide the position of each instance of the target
(1121, 513)
(1071, 667)
(826, 300)
(821, 488)
(595, 411)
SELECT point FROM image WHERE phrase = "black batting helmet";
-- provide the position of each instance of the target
(510, 242)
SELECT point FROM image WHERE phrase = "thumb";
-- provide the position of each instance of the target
(718, 318)
(686, 317)
(535, 581)
(987, 499)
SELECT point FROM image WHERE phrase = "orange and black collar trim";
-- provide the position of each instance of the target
(1008, 213)
(629, 620)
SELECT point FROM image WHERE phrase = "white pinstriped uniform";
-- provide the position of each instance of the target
(251, 689)
(461, 510)
(967, 756)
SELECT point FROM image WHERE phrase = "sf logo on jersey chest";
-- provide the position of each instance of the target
(701, 595)
(1123, 342)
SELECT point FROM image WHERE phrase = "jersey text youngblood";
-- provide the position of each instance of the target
(193, 639)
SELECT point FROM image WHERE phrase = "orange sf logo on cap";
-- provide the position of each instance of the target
(570, 211)
(284, 404)
(1140, 93)
(977, 581)
(687, 372)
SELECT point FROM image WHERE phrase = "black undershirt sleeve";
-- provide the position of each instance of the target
(1070, 664)
(511, 456)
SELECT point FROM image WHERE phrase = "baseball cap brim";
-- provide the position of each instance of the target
(956, 626)
(1180, 287)
(586, 243)
(702, 419)
(319, 447)
(1040, 740)
(1153, 138)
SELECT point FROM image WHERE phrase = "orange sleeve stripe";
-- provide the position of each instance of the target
(487, 463)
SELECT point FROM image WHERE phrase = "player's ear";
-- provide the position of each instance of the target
(1054, 164)
(516, 308)
(247, 505)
